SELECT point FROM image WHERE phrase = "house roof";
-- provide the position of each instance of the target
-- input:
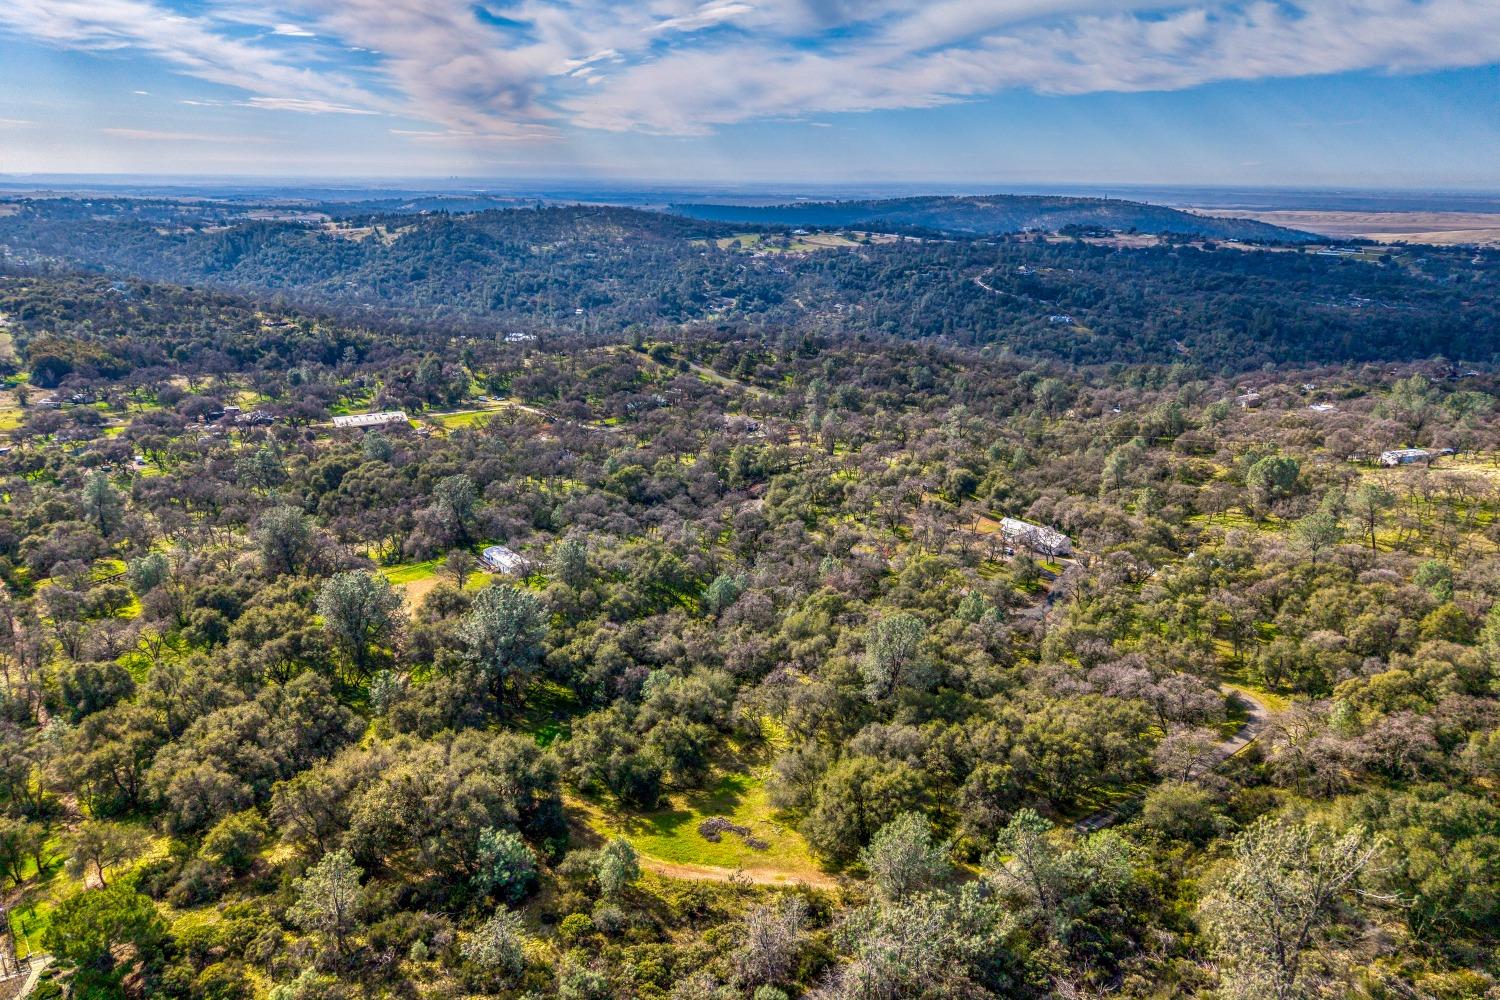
(371, 419)
(503, 559)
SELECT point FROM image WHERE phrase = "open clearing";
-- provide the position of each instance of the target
(1444, 228)
(772, 243)
(417, 580)
(670, 844)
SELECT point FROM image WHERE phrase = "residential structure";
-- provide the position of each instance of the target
(1037, 538)
(383, 418)
(1410, 456)
(499, 559)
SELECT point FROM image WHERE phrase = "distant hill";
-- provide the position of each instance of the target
(598, 271)
(994, 214)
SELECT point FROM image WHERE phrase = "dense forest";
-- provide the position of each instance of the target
(596, 271)
(879, 618)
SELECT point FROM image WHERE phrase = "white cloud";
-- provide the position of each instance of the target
(195, 46)
(303, 105)
(16, 123)
(154, 135)
(695, 89)
(654, 66)
(706, 16)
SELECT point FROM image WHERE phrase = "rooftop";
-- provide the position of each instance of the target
(378, 419)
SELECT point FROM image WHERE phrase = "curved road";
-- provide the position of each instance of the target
(1258, 714)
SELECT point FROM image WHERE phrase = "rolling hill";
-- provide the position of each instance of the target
(993, 215)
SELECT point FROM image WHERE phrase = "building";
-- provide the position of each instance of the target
(361, 421)
(1410, 456)
(1322, 407)
(1060, 319)
(1048, 541)
(499, 559)
(1246, 400)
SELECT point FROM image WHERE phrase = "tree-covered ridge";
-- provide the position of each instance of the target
(592, 272)
(992, 215)
(270, 729)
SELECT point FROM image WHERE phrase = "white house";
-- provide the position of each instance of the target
(1409, 456)
(499, 559)
(1048, 541)
(383, 418)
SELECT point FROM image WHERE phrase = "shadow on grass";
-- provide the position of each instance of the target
(723, 797)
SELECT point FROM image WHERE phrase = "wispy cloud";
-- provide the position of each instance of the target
(153, 135)
(689, 66)
(16, 123)
(706, 16)
(196, 46)
(307, 106)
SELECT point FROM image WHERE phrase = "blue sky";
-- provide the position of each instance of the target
(1375, 93)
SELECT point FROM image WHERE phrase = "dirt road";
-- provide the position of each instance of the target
(711, 873)
(1258, 714)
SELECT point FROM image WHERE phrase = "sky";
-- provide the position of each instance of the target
(1326, 93)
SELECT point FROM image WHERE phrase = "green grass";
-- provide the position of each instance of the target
(32, 914)
(671, 834)
(550, 708)
(28, 923)
(767, 243)
(106, 568)
(464, 418)
(137, 662)
(400, 576)
(1237, 518)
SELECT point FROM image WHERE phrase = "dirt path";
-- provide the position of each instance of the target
(712, 376)
(1259, 713)
(710, 873)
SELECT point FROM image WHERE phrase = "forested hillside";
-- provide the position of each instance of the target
(640, 659)
(992, 215)
(600, 272)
